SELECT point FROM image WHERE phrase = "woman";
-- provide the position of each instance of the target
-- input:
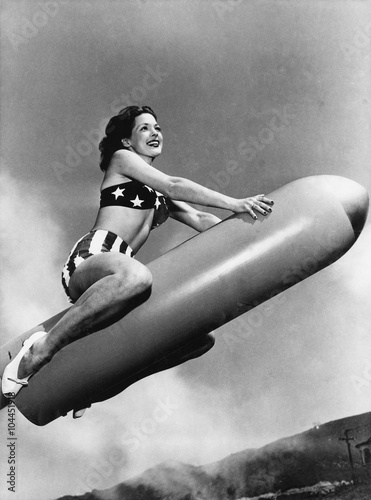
(101, 278)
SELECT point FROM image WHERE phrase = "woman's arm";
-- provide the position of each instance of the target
(198, 220)
(181, 189)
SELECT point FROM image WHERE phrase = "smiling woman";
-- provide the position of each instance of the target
(120, 132)
(100, 277)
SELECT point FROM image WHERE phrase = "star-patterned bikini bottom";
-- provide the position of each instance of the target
(95, 242)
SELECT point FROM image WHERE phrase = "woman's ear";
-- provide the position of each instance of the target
(125, 143)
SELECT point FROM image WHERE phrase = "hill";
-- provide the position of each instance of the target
(306, 459)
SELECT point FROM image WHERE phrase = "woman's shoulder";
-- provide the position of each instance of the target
(122, 155)
(124, 162)
(119, 160)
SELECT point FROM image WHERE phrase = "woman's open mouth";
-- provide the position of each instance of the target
(153, 144)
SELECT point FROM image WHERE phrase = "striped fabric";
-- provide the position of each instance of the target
(95, 242)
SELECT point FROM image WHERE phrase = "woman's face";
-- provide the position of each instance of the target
(146, 138)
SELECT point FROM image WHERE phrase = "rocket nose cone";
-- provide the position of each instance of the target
(354, 199)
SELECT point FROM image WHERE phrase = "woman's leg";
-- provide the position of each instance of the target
(107, 286)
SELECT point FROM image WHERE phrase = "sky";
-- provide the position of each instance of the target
(218, 74)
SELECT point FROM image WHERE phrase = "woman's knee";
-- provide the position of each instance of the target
(144, 279)
(138, 278)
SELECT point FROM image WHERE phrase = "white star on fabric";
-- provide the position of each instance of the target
(137, 202)
(78, 260)
(149, 188)
(66, 276)
(157, 203)
(118, 192)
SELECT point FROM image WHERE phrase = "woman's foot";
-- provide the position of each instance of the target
(22, 367)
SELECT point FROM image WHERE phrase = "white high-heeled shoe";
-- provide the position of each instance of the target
(11, 384)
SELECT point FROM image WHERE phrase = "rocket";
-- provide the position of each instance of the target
(199, 286)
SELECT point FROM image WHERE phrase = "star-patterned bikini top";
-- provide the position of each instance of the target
(134, 194)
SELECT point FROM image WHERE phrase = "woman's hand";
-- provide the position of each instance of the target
(254, 204)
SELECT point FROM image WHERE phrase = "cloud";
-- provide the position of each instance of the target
(30, 284)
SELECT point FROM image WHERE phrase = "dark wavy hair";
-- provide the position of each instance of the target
(119, 127)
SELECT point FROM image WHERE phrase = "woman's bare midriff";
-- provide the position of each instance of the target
(132, 225)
